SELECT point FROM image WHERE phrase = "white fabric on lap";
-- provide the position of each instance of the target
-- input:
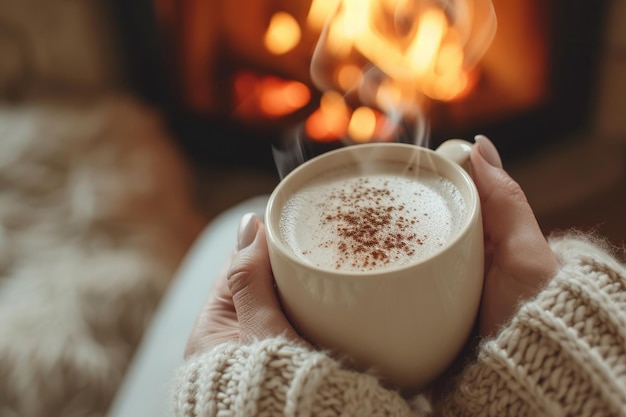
(146, 387)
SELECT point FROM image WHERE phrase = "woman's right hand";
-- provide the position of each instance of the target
(518, 259)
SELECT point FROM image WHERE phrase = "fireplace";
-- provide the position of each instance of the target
(208, 66)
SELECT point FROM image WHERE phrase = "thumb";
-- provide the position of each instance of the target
(518, 257)
(506, 211)
(251, 284)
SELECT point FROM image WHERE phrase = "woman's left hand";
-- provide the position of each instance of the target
(243, 305)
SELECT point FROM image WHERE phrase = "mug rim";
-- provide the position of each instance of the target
(472, 213)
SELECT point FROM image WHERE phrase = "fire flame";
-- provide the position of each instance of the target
(268, 96)
(392, 53)
(427, 47)
(335, 120)
(283, 34)
(319, 11)
(362, 124)
(330, 121)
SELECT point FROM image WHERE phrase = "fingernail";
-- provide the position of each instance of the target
(247, 230)
(488, 150)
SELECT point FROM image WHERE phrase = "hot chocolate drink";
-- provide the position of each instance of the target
(373, 216)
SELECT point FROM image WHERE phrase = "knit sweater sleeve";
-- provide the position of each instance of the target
(563, 354)
(274, 377)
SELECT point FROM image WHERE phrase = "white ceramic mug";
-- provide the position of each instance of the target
(407, 324)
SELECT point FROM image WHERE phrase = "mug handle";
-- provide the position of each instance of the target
(457, 150)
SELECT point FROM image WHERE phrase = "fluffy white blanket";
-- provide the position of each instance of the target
(95, 215)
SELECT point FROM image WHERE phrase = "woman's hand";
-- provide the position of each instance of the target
(242, 305)
(518, 259)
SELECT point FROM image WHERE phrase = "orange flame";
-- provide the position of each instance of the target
(362, 126)
(330, 121)
(417, 44)
(283, 34)
(335, 120)
(416, 48)
(268, 96)
(319, 11)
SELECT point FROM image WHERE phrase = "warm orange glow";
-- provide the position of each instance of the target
(333, 102)
(296, 94)
(334, 120)
(283, 34)
(423, 50)
(317, 128)
(452, 79)
(388, 95)
(257, 96)
(319, 11)
(450, 59)
(415, 45)
(355, 18)
(349, 77)
(362, 125)
(279, 97)
(330, 121)
(336, 39)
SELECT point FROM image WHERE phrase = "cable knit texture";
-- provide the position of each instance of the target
(275, 378)
(563, 354)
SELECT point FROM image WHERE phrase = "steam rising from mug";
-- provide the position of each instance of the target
(395, 55)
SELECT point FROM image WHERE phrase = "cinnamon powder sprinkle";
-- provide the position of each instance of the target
(371, 230)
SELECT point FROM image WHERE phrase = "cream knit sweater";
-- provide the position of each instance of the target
(563, 354)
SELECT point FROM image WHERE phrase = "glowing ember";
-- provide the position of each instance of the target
(330, 121)
(349, 77)
(283, 34)
(279, 97)
(362, 125)
(268, 96)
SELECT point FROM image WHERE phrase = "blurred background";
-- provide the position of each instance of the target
(551, 81)
(550, 91)
(206, 89)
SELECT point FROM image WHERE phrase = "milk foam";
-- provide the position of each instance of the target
(388, 216)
